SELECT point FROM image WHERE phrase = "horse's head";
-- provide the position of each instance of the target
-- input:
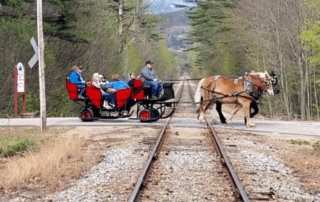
(274, 82)
(268, 83)
(261, 82)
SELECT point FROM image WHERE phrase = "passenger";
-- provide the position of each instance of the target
(130, 78)
(149, 78)
(76, 78)
(113, 87)
(96, 80)
(103, 79)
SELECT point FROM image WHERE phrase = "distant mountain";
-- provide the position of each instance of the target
(176, 28)
(167, 6)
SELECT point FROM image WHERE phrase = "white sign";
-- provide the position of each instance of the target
(20, 77)
(34, 59)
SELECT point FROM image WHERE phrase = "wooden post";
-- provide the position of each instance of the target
(120, 15)
(43, 114)
(15, 93)
(24, 104)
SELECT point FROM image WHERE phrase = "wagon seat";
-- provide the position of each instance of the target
(137, 90)
(94, 94)
(73, 90)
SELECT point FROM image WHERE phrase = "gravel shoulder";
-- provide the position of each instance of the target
(120, 154)
(265, 165)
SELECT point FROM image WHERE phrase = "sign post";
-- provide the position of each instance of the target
(20, 88)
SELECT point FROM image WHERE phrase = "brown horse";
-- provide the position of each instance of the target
(240, 92)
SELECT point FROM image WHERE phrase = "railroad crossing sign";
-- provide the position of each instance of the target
(34, 59)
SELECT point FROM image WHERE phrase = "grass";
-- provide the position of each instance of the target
(300, 142)
(10, 145)
(316, 145)
(306, 163)
(49, 157)
(48, 166)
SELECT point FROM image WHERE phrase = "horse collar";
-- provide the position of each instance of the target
(249, 89)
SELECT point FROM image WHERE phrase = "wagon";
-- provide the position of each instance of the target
(147, 110)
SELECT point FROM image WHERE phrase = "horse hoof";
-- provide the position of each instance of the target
(251, 126)
(203, 121)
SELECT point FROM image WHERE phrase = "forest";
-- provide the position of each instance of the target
(231, 37)
(228, 37)
(113, 36)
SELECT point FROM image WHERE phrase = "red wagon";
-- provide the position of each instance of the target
(147, 110)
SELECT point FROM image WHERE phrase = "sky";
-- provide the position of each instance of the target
(163, 6)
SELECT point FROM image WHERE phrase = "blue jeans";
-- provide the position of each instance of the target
(111, 98)
(82, 88)
(156, 87)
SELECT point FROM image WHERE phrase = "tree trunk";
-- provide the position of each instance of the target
(120, 14)
(315, 93)
(302, 99)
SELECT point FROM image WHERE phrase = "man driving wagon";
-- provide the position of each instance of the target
(149, 78)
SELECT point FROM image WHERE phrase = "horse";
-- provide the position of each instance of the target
(242, 92)
(253, 104)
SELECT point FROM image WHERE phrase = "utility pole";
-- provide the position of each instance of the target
(42, 89)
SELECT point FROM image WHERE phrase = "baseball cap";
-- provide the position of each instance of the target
(149, 62)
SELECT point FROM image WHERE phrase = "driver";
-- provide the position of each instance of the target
(149, 78)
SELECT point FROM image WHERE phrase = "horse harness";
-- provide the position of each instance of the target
(248, 88)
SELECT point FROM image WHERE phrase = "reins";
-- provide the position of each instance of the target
(237, 94)
(224, 95)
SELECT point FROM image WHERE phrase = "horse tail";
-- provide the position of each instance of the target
(197, 96)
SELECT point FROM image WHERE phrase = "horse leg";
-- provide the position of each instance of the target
(218, 108)
(246, 105)
(254, 106)
(236, 109)
(203, 108)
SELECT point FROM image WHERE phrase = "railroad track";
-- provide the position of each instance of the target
(187, 164)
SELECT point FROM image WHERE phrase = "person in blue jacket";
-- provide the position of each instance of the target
(113, 87)
(149, 78)
(76, 78)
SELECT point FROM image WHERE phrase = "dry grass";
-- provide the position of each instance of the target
(307, 166)
(57, 159)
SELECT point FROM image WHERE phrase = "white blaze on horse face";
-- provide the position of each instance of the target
(270, 92)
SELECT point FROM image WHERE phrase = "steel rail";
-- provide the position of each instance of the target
(231, 172)
(191, 92)
(136, 191)
(147, 167)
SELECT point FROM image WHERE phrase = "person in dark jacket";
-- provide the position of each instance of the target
(149, 78)
(130, 78)
(76, 78)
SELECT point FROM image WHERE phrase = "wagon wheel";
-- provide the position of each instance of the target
(155, 114)
(86, 115)
(145, 115)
